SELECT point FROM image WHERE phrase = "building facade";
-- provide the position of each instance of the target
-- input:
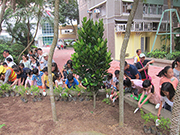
(115, 15)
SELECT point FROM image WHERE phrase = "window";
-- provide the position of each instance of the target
(152, 9)
(47, 40)
(47, 28)
(127, 6)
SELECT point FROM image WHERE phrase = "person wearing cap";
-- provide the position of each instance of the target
(45, 62)
(7, 74)
(136, 58)
(143, 66)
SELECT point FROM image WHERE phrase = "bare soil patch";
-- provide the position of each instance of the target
(73, 118)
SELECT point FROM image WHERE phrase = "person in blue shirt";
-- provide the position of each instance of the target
(131, 71)
(71, 81)
(36, 77)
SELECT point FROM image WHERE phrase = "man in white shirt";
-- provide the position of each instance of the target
(45, 63)
(7, 55)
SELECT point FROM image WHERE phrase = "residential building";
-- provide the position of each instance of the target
(115, 15)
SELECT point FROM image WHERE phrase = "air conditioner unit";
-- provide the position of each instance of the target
(129, 7)
(89, 11)
(97, 11)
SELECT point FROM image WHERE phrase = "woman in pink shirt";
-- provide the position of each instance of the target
(167, 75)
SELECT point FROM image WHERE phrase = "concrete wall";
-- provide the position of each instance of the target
(135, 43)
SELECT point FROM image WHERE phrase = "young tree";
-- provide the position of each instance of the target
(3, 6)
(56, 25)
(176, 113)
(91, 59)
(122, 62)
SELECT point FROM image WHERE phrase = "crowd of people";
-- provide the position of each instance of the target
(33, 71)
(138, 82)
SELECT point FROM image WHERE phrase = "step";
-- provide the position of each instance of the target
(147, 108)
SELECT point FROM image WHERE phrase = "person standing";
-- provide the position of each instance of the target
(143, 66)
(7, 55)
(176, 67)
(136, 58)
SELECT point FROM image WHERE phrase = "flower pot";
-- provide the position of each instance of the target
(147, 130)
(12, 94)
(24, 100)
(17, 94)
(6, 94)
(34, 99)
(74, 99)
(56, 98)
(81, 99)
(66, 99)
(153, 129)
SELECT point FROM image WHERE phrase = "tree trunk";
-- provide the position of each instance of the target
(3, 6)
(122, 61)
(176, 113)
(37, 26)
(94, 100)
(56, 24)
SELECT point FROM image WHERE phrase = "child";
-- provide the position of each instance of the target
(67, 69)
(71, 81)
(167, 93)
(45, 80)
(108, 83)
(167, 75)
(134, 84)
(116, 78)
(58, 81)
(29, 78)
(176, 69)
(37, 77)
(114, 96)
(148, 90)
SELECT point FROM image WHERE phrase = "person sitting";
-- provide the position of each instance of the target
(71, 81)
(7, 74)
(176, 67)
(10, 62)
(58, 81)
(108, 83)
(28, 81)
(167, 93)
(34, 62)
(25, 61)
(114, 96)
(147, 93)
(36, 77)
(131, 71)
(167, 75)
(136, 58)
(45, 60)
(143, 66)
(45, 80)
(21, 77)
(116, 78)
(67, 69)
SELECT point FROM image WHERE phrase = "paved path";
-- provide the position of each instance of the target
(61, 56)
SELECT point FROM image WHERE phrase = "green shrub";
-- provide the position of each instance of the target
(91, 59)
(157, 54)
(173, 55)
